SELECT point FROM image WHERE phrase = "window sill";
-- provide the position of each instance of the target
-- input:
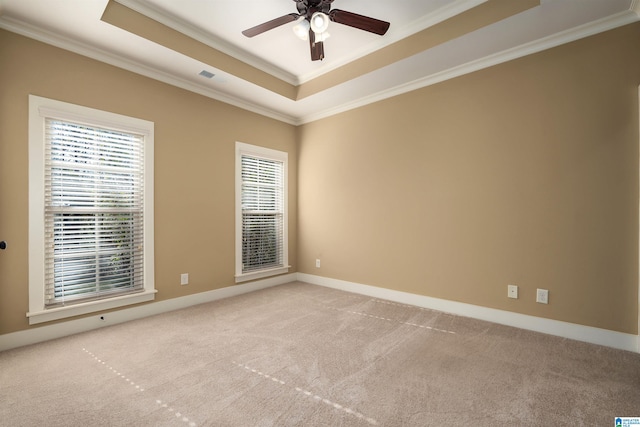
(261, 274)
(36, 317)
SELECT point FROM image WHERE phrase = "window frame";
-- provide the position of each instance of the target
(272, 155)
(41, 109)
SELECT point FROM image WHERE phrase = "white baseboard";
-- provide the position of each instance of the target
(573, 331)
(588, 334)
(58, 330)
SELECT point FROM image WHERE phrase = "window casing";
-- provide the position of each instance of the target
(261, 212)
(90, 210)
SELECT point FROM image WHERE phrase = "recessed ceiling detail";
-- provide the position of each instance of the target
(272, 74)
(486, 13)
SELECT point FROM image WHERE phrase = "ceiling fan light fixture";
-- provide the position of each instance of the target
(301, 29)
(319, 22)
(312, 22)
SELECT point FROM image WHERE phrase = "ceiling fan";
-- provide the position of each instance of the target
(317, 14)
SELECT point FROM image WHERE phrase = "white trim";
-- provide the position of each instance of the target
(88, 307)
(559, 328)
(530, 48)
(39, 34)
(58, 330)
(588, 334)
(182, 26)
(437, 16)
(605, 24)
(39, 109)
(271, 154)
(442, 14)
(262, 273)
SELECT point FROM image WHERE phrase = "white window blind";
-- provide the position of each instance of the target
(262, 213)
(94, 213)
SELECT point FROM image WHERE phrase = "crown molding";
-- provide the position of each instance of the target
(209, 39)
(582, 31)
(39, 34)
(446, 12)
(440, 15)
(536, 46)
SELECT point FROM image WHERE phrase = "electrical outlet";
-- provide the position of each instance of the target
(317, 262)
(542, 296)
(184, 279)
(512, 291)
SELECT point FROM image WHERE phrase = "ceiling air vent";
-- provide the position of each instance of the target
(207, 74)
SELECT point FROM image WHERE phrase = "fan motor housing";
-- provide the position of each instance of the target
(307, 8)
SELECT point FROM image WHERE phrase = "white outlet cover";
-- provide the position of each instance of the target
(512, 291)
(542, 296)
(184, 279)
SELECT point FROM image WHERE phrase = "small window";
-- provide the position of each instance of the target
(91, 243)
(261, 212)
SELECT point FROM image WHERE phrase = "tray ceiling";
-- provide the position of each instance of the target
(272, 73)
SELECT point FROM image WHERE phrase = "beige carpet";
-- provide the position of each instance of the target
(303, 355)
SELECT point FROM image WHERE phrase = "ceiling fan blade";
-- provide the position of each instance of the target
(270, 25)
(358, 21)
(317, 48)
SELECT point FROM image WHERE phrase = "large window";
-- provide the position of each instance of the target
(91, 214)
(261, 212)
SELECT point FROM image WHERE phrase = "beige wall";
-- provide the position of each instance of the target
(194, 166)
(523, 173)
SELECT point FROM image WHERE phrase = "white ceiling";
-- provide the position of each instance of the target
(76, 25)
